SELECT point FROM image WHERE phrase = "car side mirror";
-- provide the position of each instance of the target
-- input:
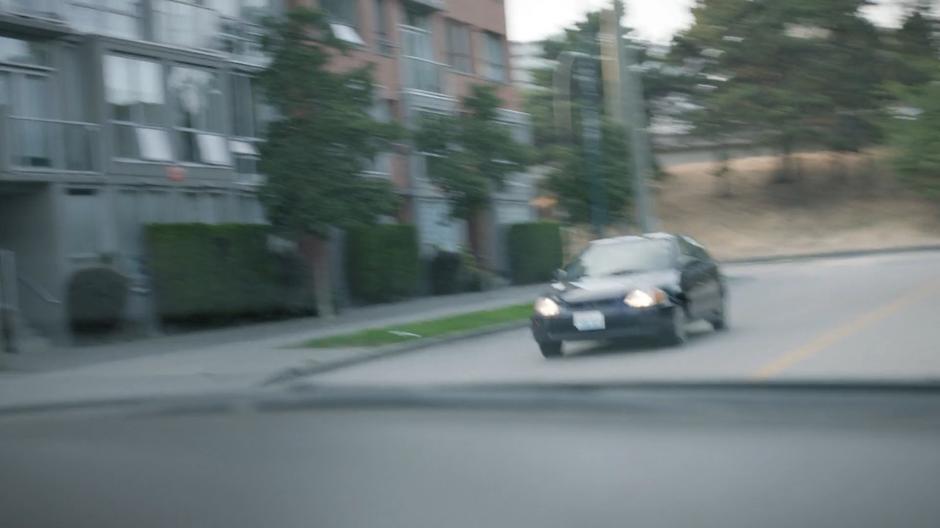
(561, 275)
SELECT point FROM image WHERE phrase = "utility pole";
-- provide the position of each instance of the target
(591, 122)
(634, 117)
(582, 67)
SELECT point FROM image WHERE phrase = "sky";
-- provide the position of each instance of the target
(653, 20)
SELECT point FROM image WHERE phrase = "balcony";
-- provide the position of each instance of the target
(186, 25)
(51, 10)
(424, 75)
(439, 5)
(49, 145)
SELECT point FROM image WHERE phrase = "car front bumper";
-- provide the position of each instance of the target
(619, 323)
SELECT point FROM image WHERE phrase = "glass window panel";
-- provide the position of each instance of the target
(341, 10)
(187, 24)
(125, 142)
(380, 23)
(246, 164)
(346, 33)
(198, 100)
(243, 106)
(134, 89)
(189, 148)
(496, 67)
(458, 45)
(243, 147)
(213, 149)
(23, 51)
(154, 144)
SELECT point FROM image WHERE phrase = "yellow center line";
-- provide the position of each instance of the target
(830, 337)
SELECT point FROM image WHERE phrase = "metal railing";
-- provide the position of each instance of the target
(46, 9)
(424, 74)
(37, 290)
(52, 144)
(185, 24)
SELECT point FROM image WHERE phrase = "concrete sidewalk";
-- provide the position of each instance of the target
(270, 336)
(221, 360)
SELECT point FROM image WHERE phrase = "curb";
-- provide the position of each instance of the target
(833, 254)
(390, 351)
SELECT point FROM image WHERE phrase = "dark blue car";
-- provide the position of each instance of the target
(650, 285)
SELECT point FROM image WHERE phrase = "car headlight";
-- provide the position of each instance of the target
(645, 298)
(547, 307)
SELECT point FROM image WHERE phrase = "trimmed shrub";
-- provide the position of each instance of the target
(535, 251)
(452, 272)
(444, 272)
(208, 271)
(382, 262)
(97, 297)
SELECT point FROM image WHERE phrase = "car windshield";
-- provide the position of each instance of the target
(621, 258)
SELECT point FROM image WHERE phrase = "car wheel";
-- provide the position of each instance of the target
(677, 334)
(551, 349)
(720, 321)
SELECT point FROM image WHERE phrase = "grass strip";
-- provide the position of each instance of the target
(391, 335)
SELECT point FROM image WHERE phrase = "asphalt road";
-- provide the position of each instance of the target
(849, 319)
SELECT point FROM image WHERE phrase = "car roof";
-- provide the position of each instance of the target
(635, 238)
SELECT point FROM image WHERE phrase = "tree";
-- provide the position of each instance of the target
(570, 182)
(916, 142)
(802, 71)
(315, 154)
(469, 155)
(564, 151)
(914, 49)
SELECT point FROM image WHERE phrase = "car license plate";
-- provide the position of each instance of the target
(587, 321)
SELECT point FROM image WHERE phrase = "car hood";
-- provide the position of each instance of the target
(597, 288)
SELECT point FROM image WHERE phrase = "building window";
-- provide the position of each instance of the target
(187, 23)
(134, 92)
(27, 52)
(342, 11)
(495, 58)
(459, 53)
(380, 21)
(199, 115)
(250, 116)
(381, 164)
(344, 19)
(117, 18)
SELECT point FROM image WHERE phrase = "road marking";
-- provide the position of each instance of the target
(843, 331)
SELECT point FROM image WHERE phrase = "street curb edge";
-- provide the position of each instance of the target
(389, 351)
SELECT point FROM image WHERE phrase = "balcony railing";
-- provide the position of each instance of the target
(47, 9)
(186, 25)
(424, 74)
(48, 144)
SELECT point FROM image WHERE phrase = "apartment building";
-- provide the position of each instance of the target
(427, 54)
(113, 114)
(119, 113)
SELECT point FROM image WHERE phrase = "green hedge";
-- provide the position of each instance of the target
(201, 270)
(535, 251)
(382, 262)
